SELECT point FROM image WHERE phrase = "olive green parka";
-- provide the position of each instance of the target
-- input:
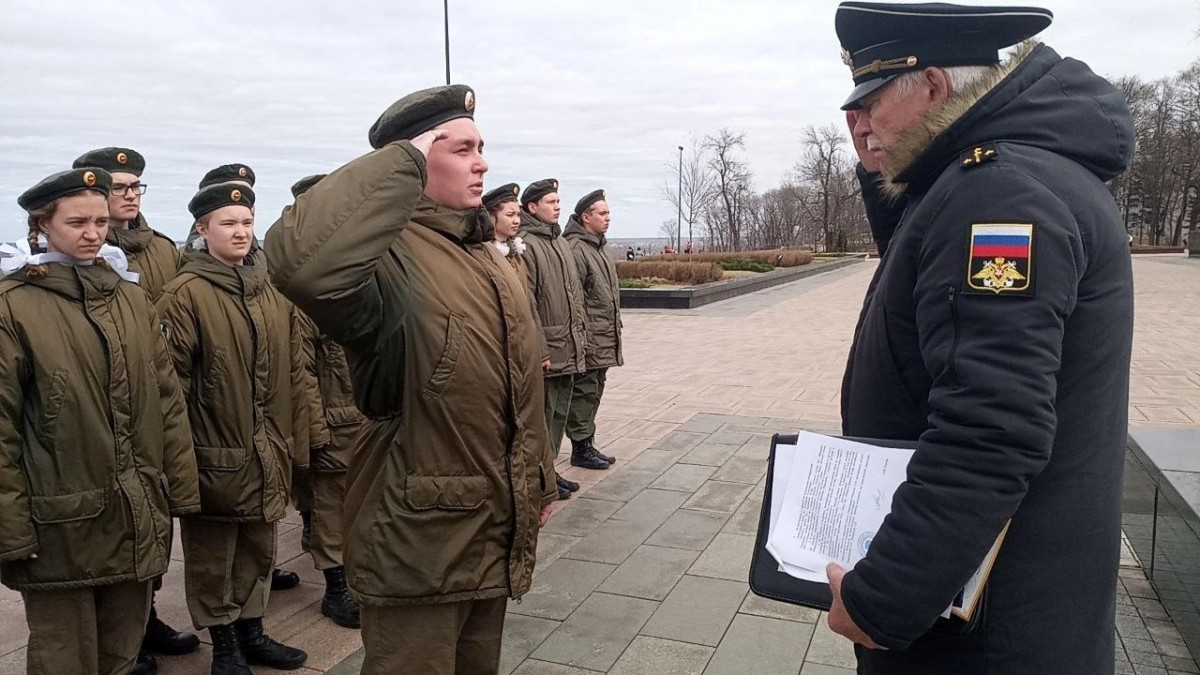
(95, 449)
(229, 334)
(601, 295)
(453, 464)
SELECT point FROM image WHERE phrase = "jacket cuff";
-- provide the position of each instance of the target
(417, 157)
(184, 510)
(19, 553)
(865, 623)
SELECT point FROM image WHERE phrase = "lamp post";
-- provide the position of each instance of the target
(446, 18)
(679, 209)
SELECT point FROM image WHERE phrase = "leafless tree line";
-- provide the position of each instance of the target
(815, 206)
(1159, 196)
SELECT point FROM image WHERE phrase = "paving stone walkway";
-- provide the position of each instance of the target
(645, 571)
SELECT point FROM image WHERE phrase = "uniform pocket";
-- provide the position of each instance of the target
(220, 459)
(445, 367)
(67, 508)
(448, 493)
(57, 393)
(343, 416)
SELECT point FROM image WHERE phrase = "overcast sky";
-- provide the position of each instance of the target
(596, 94)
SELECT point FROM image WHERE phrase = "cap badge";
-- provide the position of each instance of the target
(236, 195)
(469, 101)
(122, 158)
(516, 189)
(242, 171)
(89, 178)
(554, 184)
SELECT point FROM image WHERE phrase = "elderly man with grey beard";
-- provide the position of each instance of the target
(996, 334)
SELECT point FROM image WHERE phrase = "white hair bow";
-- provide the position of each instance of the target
(17, 257)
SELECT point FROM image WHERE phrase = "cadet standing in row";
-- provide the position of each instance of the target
(555, 284)
(391, 257)
(334, 422)
(229, 334)
(586, 232)
(155, 257)
(95, 449)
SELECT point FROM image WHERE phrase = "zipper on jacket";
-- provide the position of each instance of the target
(951, 364)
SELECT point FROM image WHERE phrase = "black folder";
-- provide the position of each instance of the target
(768, 581)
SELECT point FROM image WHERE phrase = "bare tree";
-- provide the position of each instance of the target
(690, 190)
(731, 184)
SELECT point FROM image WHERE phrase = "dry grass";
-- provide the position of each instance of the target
(776, 258)
(670, 270)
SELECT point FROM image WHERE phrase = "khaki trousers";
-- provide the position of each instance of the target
(459, 638)
(585, 401)
(329, 493)
(226, 570)
(558, 405)
(86, 631)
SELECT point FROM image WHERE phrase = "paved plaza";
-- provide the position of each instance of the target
(645, 570)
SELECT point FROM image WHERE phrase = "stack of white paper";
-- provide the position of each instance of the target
(830, 497)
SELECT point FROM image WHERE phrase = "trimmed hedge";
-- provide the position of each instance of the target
(776, 258)
(674, 271)
(743, 265)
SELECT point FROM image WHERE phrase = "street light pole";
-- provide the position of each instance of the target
(446, 15)
(679, 209)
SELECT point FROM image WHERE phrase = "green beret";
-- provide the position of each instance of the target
(213, 197)
(421, 111)
(301, 186)
(589, 199)
(113, 160)
(226, 173)
(504, 193)
(538, 189)
(65, 183)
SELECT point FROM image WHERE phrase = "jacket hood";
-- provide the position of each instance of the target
(576, 230)
(465, 227)
(530, 224)
(1037, 99)
(74, 281)
(247, 280)
(133, 239)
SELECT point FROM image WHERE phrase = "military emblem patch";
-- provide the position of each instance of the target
(1000, 259)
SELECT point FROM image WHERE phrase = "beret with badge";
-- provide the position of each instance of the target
(112, 160)
(538, 189)
(301, 186)
(226, 173)
(588, 200)
(422, 111)
(213, 197)
(883, 40)
(502, 194)
(63, 184)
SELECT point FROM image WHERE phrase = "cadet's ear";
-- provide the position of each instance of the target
(940, 87)
(202, 227)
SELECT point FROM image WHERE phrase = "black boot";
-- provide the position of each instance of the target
(608, 458)
(145, 664)
(337, 603)
(563, 493)
(162, 639)
(306, 537)
(261, 650)
(584, 456)
(227, 653)
(568, 484)
(282, 580)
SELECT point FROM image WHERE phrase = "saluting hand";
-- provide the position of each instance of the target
(425, 141)
(839, 620)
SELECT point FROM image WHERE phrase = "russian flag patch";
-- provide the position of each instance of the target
(1001, 256)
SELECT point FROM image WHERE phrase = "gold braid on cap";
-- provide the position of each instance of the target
(878, 66)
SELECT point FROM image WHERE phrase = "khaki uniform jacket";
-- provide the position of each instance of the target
(554, 280)
(334, 419)
(601, 296)
(95, 451)
(229, 336)
(453, 464)
(151, 254)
